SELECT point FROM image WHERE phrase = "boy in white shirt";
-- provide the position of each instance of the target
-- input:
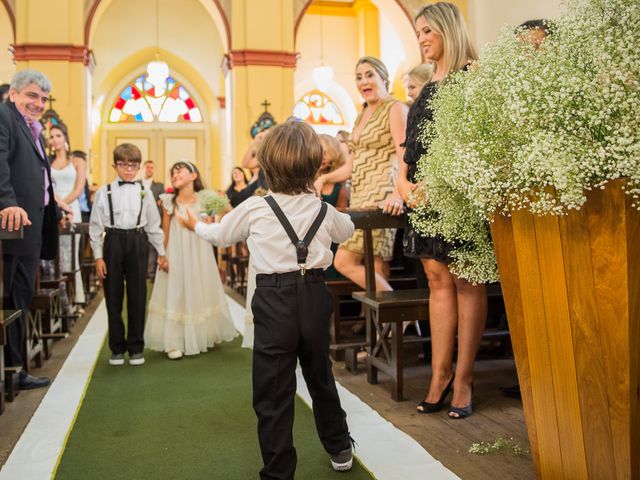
(128, 214)
(292, 304)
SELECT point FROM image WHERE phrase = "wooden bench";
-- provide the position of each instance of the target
(74, 269)
(46, 304)
(386, 313)
(9, 383)
(341, 288)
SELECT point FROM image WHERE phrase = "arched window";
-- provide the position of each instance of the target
(316, 108)
(144, 101)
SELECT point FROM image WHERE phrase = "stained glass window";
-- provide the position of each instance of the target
(145, 101)
(316, 108)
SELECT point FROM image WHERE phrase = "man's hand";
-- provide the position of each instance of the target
(13, 218)
(163, 263)
(101, 268)
(189, 221)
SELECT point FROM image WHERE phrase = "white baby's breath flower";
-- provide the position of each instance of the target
(533, 130)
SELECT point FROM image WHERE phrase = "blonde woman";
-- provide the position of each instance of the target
(375, 146)
(418, 77)
(456, 307)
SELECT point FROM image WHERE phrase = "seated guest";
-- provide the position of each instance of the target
(334, 194)
(418, 77)
(333, 156)
(239, 182)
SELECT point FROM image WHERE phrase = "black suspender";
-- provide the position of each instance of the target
(141, 204)
(302, 246)
(113, 223)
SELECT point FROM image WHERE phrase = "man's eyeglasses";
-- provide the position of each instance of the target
(128, 166)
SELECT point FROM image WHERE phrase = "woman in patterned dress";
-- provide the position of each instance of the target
(375, 145)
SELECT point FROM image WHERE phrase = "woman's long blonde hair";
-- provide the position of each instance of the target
(445, 19)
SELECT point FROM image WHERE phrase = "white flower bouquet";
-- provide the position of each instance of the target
(211, 202)
(533, 129)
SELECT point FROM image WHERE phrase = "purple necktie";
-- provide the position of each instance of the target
(35, 134)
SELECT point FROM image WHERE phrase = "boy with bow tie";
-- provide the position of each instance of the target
(124, 220)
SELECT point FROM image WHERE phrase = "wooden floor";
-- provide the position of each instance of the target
(494, 416)
(19, 412)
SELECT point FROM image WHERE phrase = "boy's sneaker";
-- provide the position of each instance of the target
(342, 461)
(116, 359)
(136, 359)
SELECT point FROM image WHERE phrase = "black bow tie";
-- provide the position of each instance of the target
(125, 182)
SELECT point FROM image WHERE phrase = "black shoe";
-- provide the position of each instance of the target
(426, 407)
(28, 382)
(512, 391)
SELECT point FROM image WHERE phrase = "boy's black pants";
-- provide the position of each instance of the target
(291, 318)
(125, 254)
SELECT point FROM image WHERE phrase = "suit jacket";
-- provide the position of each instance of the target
(22, 171)
(157, 188)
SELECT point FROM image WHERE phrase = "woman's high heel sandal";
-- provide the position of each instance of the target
(461, 412)
(427, 407)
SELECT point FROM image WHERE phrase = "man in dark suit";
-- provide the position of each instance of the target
(148, 169)
(26, 198)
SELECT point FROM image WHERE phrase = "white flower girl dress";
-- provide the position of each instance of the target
(188, 309)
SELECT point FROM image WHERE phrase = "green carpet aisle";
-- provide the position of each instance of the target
(186, 419)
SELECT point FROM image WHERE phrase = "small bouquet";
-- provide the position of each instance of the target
(211, 202)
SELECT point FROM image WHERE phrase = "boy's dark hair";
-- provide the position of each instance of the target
(79, 154)
(127, 152)
(538, 24)
(290, 157)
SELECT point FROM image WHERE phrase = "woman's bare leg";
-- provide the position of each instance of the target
(350, 265)
(472, 318)
(443, 317)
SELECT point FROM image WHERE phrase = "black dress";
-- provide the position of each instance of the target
(414, 244)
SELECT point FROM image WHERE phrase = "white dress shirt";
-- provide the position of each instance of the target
(270, 247)
(126, 207)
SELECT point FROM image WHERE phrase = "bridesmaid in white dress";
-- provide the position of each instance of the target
(69, 177)
(188, 311)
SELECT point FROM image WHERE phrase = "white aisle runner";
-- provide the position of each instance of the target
(388, 453)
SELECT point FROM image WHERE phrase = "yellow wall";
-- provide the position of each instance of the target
(61, 25)
(264, 25)
(7, 69)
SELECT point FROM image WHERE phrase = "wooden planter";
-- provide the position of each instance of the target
(571, 285)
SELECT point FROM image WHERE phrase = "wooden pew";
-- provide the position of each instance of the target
(385, 336)
(386, 311)
(349, 346)
(9, 383)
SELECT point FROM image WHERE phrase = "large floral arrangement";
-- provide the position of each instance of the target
(533, 129)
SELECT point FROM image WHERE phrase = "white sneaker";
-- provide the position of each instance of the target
(136, 359)
(116, 359)
(174, 355)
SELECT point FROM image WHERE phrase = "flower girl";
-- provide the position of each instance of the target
(188, 312)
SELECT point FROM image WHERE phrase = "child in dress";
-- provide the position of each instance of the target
(123, 221)
(188, 311)
(291, 304)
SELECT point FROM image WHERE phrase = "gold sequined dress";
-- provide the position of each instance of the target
(373, 177)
